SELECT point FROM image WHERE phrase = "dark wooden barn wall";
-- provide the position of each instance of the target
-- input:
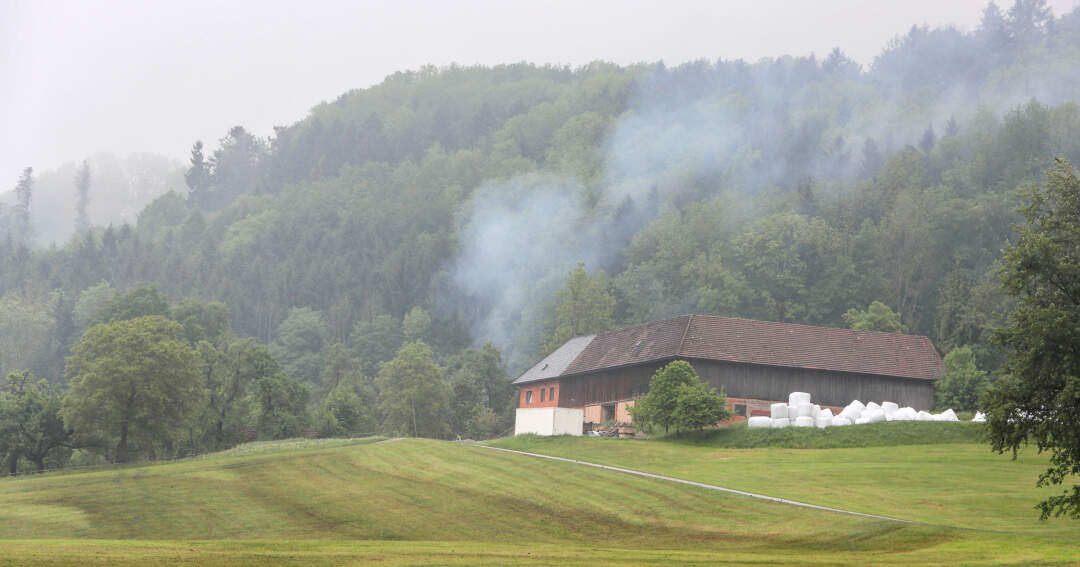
(753, 381)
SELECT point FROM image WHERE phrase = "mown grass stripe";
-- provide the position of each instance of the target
(702, 485)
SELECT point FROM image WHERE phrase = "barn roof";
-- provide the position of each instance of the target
(554, 364)
(705, 337)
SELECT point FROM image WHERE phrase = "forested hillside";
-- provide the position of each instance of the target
(378, 245)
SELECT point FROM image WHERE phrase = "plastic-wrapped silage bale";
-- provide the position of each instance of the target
(840, 421)
(817, 410)
(804, 421)
(980, 417)
(924, 416)
(905, 414)
(873, 415)
(792, 412)
(776, 411)
(853, 410)
(805, 409)
(825, 413)
(780, 422)
(796, 398)
(949, 415)
(823, 422)
(872, 406)
(759, 421)
(889, 408)
(862, 421)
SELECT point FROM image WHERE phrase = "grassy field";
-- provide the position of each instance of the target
(422, 502)
(954, 484)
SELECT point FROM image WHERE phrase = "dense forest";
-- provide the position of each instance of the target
(406, 248)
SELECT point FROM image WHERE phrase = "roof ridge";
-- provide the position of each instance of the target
(689, 319)
(807, 325)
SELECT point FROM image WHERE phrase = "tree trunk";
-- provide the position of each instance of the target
(39, 462)
(13, 463)
(121, 447)
(413, 419)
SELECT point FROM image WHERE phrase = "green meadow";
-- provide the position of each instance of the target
(424, 502)
(954, 481)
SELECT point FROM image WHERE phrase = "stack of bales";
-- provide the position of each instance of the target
(799, 412)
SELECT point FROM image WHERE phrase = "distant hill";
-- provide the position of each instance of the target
(450, 205)
(120, 187)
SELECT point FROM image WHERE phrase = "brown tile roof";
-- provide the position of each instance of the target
(756, 342)
(632, 345)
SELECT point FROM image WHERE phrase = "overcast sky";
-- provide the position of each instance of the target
(87, 76)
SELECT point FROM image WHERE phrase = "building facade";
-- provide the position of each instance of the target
(755, 362)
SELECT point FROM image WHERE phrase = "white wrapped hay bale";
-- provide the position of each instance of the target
(873, 415)
(825, 413)
(872, 406)
(759, 421)
(796, 398)
(840, 421)
(862, 421)
(817, 410)
(805, 409)
(889, 408)
(804, 421)
(905, 414)
(780, 422)
(777, 411)
(924, 416)
(949, 415)
(792, 412)
(853, 410)
(980, 417)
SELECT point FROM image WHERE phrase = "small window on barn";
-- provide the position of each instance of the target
(740, 409)
(542, 392)
(551, 394)
(528, 397)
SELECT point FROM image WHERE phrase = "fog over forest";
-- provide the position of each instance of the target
(469, 218)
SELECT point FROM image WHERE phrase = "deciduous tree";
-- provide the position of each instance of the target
(678, 398)
(877, 317)
(30, 421)
(962, 384)
(586, 305)
(1038, 400)
(414, 395)
(134, 383)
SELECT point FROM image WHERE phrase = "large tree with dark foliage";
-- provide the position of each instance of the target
(678, 398)
(30, 423)
(1038, 400)
(134, 383)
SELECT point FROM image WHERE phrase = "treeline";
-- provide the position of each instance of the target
(444, 208)
(149, 380)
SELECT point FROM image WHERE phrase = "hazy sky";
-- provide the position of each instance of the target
(87, 76)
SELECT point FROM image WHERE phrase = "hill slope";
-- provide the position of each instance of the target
(423, 502)
(952, 483)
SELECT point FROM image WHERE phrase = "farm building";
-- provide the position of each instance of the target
(755, 362)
